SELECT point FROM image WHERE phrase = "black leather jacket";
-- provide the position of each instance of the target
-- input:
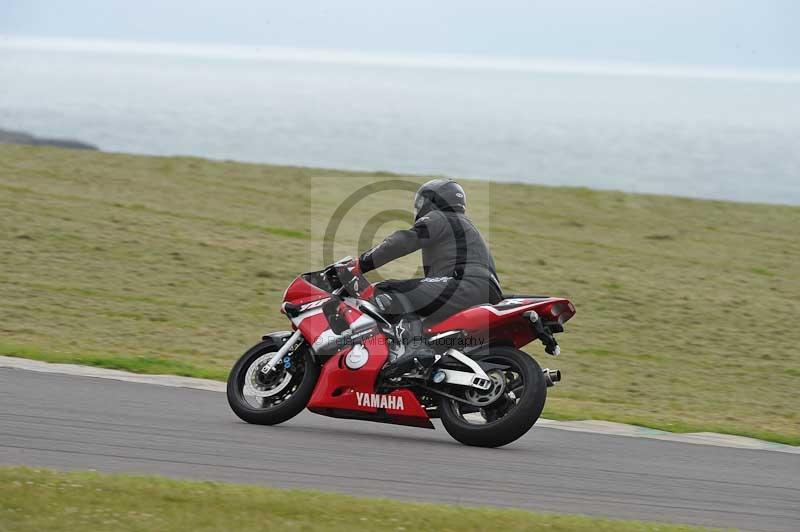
(451, 247)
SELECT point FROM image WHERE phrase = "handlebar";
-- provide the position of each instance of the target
(337, 278)
(341, 279)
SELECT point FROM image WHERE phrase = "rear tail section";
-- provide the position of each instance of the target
(517, 320)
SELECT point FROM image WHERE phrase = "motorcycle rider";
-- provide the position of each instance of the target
(458, 266)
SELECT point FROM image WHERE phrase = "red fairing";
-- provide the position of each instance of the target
(343, 392)
(301, 291)
(313, 326)
(368, 292)
(505, 320)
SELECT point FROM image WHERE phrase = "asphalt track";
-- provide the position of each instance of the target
(73, 422)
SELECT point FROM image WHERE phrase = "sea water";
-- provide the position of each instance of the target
(734, 137)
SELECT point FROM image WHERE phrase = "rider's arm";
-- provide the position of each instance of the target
(400, 243)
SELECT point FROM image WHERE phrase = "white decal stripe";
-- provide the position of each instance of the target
(496, 312)
(299, 319)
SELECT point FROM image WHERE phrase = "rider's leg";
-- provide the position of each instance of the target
(406, 303)
(400, 302)
(435, 299)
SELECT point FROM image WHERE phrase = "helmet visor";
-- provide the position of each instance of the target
(419, 201)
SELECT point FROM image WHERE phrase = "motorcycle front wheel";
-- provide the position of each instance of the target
(510, 408)
(269, 399)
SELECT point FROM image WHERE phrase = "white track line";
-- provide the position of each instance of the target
(174, 381)
(596, 427)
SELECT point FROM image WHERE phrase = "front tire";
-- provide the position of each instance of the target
(282, 395)
(511, 415)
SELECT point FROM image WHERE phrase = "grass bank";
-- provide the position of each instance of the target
(36, 499)
(687, 309)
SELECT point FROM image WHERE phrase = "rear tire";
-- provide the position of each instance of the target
(283, 411)
(517, 421)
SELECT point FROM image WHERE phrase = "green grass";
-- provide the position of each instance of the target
(36, 499)
(687, 309)
(138, 364)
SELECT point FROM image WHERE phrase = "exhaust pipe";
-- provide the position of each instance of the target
(551, 376)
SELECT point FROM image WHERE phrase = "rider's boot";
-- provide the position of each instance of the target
(418, 359)
(415, 353)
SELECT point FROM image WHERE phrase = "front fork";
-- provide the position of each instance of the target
(285, 348)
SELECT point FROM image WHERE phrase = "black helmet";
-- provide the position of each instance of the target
(439, 195)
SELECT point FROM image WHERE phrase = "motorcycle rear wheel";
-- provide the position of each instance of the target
(282, 395)
(509, 416)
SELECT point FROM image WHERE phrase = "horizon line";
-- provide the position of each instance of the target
(408, 60)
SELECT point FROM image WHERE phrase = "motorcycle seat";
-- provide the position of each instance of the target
(500, 305)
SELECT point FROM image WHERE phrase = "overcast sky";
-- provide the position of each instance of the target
(731, 33)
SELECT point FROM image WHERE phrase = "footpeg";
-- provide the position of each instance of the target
(421, 361)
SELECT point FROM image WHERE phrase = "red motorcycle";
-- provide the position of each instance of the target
(484, 389)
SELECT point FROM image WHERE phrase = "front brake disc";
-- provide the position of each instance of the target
(255, 387)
